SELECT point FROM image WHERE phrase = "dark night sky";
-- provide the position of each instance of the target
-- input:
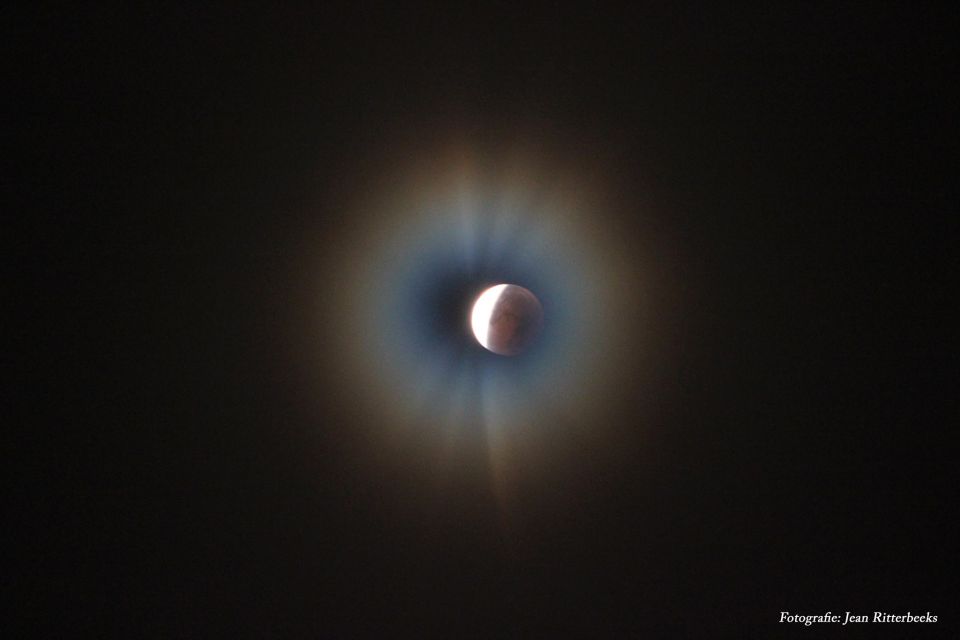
(171, 476)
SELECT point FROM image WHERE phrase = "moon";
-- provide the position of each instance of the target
(506, 319)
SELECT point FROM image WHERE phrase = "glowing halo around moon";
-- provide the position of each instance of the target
(442, 229)
(424, 243)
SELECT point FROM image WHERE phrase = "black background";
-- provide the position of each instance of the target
(170, 477)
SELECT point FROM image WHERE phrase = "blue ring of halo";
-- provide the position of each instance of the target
(425, 292)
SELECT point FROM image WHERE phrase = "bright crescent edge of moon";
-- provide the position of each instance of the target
(482, 312)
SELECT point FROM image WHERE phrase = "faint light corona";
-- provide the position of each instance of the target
(482, 312)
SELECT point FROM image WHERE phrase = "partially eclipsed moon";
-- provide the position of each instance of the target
(506, 318)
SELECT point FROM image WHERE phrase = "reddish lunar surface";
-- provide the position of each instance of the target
(512, 321)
